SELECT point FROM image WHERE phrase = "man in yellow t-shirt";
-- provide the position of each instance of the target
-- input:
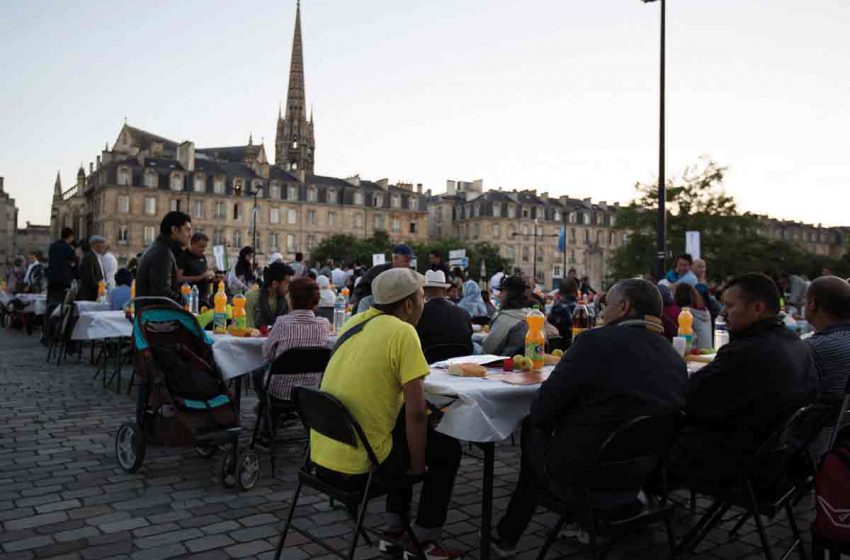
(375, 371)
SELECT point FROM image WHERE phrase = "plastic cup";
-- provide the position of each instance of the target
(680, 343)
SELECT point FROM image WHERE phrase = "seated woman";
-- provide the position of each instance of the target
(561, 315)
(508, 326)
(327, 298)
(471, 301)
(686, 295)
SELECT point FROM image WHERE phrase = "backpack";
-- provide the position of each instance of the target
(832, 493)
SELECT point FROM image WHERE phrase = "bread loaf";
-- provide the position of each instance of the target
(467, 370)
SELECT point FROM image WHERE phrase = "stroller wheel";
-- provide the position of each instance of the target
(228, 470)
(130, 447)
(249, 469)
(206, 450)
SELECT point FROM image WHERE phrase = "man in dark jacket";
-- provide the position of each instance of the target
(757, 380)
(61, 266)
(91, 270)
(607, 377)
(442, 321)
(157, 273)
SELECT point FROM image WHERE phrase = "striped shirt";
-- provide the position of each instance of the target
(299, 328)
(831, 349)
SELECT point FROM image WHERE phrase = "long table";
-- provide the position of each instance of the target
(33, 303)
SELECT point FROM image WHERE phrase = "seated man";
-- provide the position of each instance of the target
(264, 304)
(120, 294)
(300, 328)
(761, 376)
(828, 311)
(377, 367)
(442, 321)
(587, 397)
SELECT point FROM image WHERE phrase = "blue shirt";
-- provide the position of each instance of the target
(118, 297)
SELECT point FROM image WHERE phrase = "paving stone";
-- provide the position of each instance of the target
(28, 543)
(36, 520)
(246, 550)
(208, 542)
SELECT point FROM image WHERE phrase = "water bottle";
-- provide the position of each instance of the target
(721, 333)
(193, 300)
(339, 312)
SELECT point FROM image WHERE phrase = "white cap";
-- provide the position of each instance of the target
(395, 284)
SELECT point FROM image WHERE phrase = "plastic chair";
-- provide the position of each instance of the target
(439, 352)
(326, 415)
(292, 362)
(758, 491)
(626, 461)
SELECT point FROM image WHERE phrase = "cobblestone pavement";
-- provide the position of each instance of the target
(62, 495)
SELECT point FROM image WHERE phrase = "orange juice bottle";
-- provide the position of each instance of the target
(686, 327)
(185, 290)
(238, 313)
(101, 291)
(581, 318)
(220, 310)
(535, 340)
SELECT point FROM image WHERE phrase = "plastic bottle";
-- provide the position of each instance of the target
(185, 291)
(581, 318)
(220, 310)
(721, 333)
(339, 312)
(535, 340)
(686, 327)
(101, 291)
(193, 300)
(238, 313)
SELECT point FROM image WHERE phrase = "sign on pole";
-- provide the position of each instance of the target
(378, 258)
(457, 257)
(692, 245)
(220, 256)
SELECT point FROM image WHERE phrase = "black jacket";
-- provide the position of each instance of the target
(734, 403)
(443, 322)
(157, 273)
(91, 274)
(61, 263)
(607, 377)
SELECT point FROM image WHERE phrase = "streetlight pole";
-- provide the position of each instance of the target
(661, 227)
(534, 254)
(256, 193)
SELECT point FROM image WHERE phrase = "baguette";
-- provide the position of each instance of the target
(467, 370)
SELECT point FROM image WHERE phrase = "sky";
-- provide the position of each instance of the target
(557, 95)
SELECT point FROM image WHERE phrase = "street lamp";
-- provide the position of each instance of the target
(534, 254)
(661, 227)
(255, 192)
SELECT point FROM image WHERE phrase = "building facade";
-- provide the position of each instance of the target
(8, 230)
(526, 227)
(33, 239)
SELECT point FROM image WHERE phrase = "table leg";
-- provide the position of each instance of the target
(237, 389)
(489, 450)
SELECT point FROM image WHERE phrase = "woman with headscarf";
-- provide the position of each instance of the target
(327, 298)
(686, 295)
(242, 277)
(471, 301)
(670, 313)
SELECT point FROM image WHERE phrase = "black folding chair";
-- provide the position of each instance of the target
(60, 337)
(326, 312)
(292, 362)
(626, 462)
(326, 415)
(439, 352)
(761, 488)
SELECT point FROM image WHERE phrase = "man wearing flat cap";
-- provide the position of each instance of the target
(91, 270)
(377, 370)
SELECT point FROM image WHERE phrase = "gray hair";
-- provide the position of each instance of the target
(642, 294)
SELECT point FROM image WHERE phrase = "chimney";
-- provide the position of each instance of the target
(418, 188)
(186, 155)
(98, 163)
(544, 195)
(1, 184)
(302, 176)
(91, 167)
(587, 201)
(353, 181)
(451, 187)
(383, 183)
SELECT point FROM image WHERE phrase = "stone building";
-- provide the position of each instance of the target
(8, 230)
(824, 241)
(132, 185)
(526, 226)
(33, 238)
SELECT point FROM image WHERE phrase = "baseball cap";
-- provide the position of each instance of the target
(435, 279)
(275, 257)
(97, 239)
(395, 284)
(403, 249)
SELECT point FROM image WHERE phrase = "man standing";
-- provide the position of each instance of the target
(586, 398)
(327, 270)
(377, 366)
(110, 266)
(298, 267)
(61, 266)
(682, 271)
(157, 273)
(795, 286)
(192, 267)
(442, 321)
(402, 256)
(435, 259)
(761, 376)
(91, 269)
(338, 278)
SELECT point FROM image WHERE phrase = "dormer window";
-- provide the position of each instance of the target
(176, 182)
(124, 176)
(312, 195)
(200, 182)
(237, 187)
(379, 201)
(293, 166)
(395, 201)
(292, 193)
(295, 144)
(151, 180)
(331, 196)
(218, 185)
(358, 198)
(274, 191)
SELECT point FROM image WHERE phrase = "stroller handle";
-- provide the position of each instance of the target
(158, 299)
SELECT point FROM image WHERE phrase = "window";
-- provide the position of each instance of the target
(586, 218)
(123, 204)
(331, 218)
(200, 183)
(175, 205)
(257, 247)
(358, 221)
(556, 216)
(525, 254)
(151, 180)
(511, 211)
(150, 235)
(396, 225)
(379, 201)
(198, 209)
(497, 210)
(412, 227)
(123, 235)
(311, 217)
(312, 196)
(497, 233)
(525, 213)
(125, 177)
(176, 182)
(274, 191)
(572, 256)
(379, 221)
(218, 237)
(290, 243)
(293, 166)
(218, 185)
(557, 272)
(511, 253)
(587, 236)
(572, 235)
(572, 217)
(331, 196)
(291, 217)
(219, 210)
(413, 203)
(237, 238)
(150, 206)
(311, 242)
(395, 201)
(476, 230)
(236, 214)
(611, 240)
(291, 193)
(600, 237)
(273, 241)
(274, 215)
(237, 187)
(358, 198)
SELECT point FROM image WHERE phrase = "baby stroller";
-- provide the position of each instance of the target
(182, 397)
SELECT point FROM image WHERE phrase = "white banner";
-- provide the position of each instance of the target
(692, 244)
(220, 256)
(378, 258)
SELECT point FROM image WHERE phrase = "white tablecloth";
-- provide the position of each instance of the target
(82, 307)
(237, 356)
(97, 325)
(485, 410)
(34, 303)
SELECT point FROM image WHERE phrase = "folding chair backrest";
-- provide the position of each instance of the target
(783, 442)
(323, 413)
(843, 414)
(301, 360)
(633, 451)
(439, 352)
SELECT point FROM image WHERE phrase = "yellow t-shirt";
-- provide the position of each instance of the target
(367, 374)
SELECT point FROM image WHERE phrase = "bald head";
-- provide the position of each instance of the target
(828, 302)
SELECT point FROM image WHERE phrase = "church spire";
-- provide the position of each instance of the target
(57, 186)
(296, 97)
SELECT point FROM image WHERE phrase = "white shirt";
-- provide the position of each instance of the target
(109, 266)
(496, 281)
(338, 277)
